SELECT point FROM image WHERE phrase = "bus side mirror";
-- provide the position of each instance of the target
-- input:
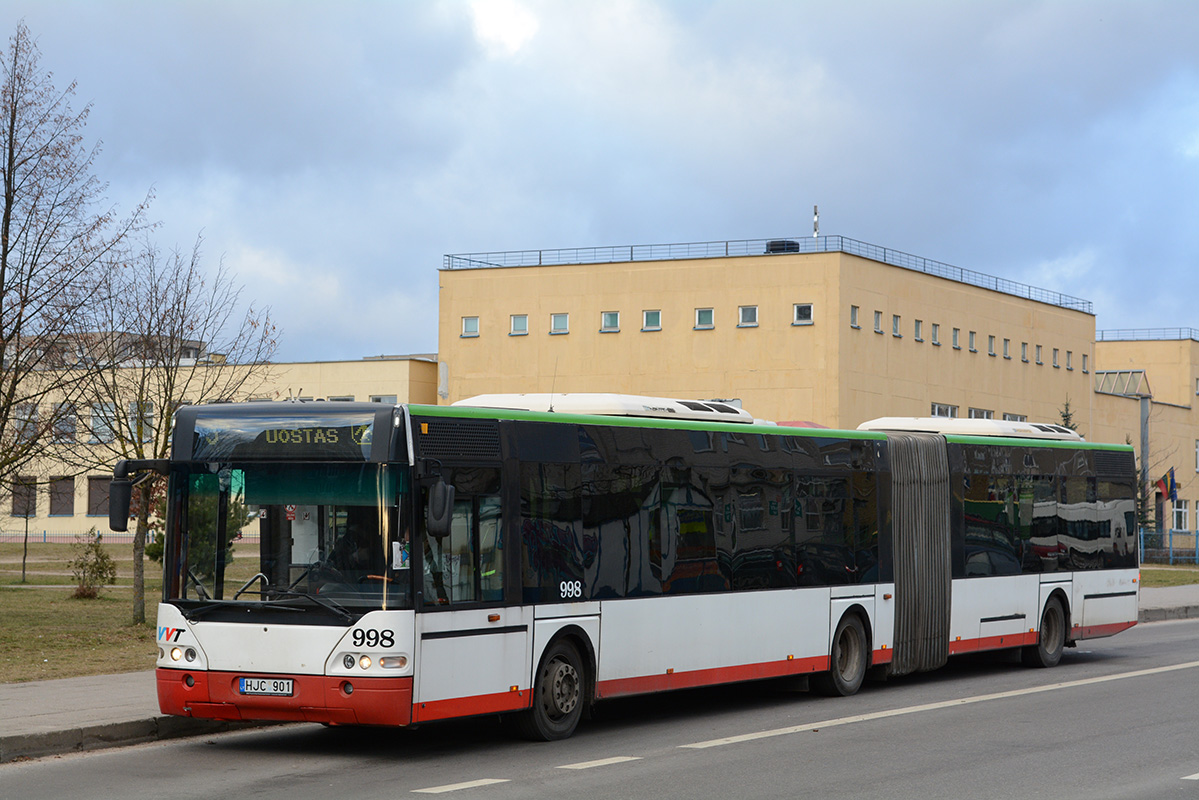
(439, 509)
(119, 493)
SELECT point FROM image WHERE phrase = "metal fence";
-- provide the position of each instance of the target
(1147, 334)
(1169, 547)
(757, 247)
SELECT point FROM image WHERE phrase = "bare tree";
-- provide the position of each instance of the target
(58, 240)
(171, 335)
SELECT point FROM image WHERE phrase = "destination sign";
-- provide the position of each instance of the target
(340, 437)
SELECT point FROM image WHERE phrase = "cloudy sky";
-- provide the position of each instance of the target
(332, 152)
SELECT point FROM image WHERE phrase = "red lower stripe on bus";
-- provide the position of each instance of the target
(314, 698)
(470, 706)
(1099, 631)
(709, 677)
(881, 656)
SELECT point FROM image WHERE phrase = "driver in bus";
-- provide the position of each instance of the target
(360, 548)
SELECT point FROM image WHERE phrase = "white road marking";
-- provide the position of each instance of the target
(1194, 777)
(897, 712)
(453, 787)
(603, 762)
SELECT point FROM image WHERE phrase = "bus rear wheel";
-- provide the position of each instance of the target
(848, 660)
(1051, 639)
(558, 694)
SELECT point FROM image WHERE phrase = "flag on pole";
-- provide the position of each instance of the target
(1167, 486)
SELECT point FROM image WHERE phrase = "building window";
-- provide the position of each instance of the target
(957, 338)
(895, 320)
(944, 410)
(973, 342)
(705, 318)
(610, 322)
(141, 417)
(559, 323)
(878, 322)
(803, 315)
(1039, 361)
(24, 496)
(390, 399)
(518, 325)
(1055, 364)
(1197, 455)
(990, 345)
(1007, 349)
(1024, 352)
(1015, 417)
(853, 322)
(97, 495)
(62, 497)
(25, 421)
(470, 327)
(63, 426)
(747, 316)
(918, 331)
(651, 320)
(1084, 362)
(1181, 523)
(981, 413)
(1069, 360)
(936, 334)
(103, 422)
(341, 398)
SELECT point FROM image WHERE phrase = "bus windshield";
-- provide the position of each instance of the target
(329, 538)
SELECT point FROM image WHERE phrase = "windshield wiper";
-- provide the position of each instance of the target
(324, 602)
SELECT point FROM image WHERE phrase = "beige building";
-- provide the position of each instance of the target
(66, 504)
(829, 330)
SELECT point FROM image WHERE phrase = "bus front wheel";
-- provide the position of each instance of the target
(1051, 639)
(848, 660)
(558, 694)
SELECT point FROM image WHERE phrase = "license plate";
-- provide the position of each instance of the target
(279, 687)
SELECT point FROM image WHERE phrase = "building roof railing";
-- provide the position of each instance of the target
(1147, 334)
(756, 247)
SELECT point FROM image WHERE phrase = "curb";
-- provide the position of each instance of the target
(21, 747)
(1163, 614)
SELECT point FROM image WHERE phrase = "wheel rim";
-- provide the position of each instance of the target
(560, 688)
(849, 653)
(1051, 630)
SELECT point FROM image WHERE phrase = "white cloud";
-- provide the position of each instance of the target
(503, 27)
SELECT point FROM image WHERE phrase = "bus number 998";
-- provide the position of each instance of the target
(373, 638)
(571, 590)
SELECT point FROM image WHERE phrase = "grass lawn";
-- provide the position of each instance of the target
(1154, 576)
(45, 633)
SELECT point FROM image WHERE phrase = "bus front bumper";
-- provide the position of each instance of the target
(314, 698)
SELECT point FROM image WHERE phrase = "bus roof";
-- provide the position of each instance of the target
(614, 405)
(951, 426)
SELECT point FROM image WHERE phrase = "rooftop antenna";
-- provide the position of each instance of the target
(815, 222)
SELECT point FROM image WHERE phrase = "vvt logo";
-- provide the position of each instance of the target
(169, 634)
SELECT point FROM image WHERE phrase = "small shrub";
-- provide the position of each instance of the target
(92, 567)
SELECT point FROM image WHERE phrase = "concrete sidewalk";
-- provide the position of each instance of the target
(43, 718)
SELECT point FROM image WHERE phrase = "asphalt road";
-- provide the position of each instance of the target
(1118, 718)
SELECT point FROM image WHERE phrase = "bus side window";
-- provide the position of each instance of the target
(491, 549)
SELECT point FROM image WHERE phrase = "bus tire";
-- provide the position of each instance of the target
(848, 660)
(558, 695)
(1051, 638)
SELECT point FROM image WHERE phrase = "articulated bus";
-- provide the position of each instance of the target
(531, 555)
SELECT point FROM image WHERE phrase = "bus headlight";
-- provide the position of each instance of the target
(364, 662)
(176, 653)
(393, 662)
(347, 661)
